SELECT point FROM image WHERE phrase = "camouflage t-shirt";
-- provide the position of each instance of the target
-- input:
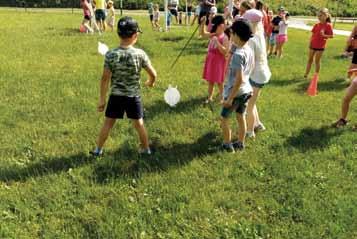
(125, 65)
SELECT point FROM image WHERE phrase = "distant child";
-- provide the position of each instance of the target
(268, 28)
(87, 16)
(282, 36)
(180, 17)
(212, 14)
(275, 31)
(151, 13)
(350, 93)
(156, 18)
(237, 89)
(260, 74)
(215, 64)
(111, 15)
(320, 33)
(189, 12)
(122, 68)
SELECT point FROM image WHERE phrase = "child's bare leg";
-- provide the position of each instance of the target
(278, 49)
(350, 93)
(318, 56)
(242, 127)
(143, 136)
(210, 91)
(251, 116)
(226, 130)
(309, 62)
(104, 132)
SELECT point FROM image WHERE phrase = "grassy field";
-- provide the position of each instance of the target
(296, 180)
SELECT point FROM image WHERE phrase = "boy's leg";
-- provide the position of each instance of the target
(309, 62)
(226, 130)
(318, 56)
(142, 133)
(242, 126)
(104, 132)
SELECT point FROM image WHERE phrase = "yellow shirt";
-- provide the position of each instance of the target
(100, 4)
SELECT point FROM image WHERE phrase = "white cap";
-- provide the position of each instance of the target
(213, 10)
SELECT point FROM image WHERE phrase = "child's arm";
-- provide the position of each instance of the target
(104, 85)
(223, 48)
(329, 33)
(152, 75)
(239, 79)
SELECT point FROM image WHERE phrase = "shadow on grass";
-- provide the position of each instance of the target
(126, 161)
(44, 167)
(336, 85)
(286, 82)
(70, 32)
(183, 107)
(313, 139)
(172, 38)
(196, 47)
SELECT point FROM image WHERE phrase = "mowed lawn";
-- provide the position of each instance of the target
(296, 180)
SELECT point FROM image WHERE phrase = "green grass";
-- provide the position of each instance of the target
(338, 25)
(296, 180)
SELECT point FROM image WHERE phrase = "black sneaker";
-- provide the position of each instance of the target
(96, 154)
(238, 146)
(228, 148)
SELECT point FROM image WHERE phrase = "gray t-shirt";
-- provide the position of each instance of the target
(242, 59)
(125, 65)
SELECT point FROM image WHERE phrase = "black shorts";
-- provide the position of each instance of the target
(239, 105)
(173, 12)
(99, 15)
(354, 58)
(118, 105)
(87, 17)
(203, 13)
(151, 17)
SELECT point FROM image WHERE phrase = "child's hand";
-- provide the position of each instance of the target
(227, 103)
(149, 83)
(101, 105)
(322, 33)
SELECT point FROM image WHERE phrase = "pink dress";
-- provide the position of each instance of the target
(215, 63)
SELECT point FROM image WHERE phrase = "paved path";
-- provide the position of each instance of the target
(300, 24)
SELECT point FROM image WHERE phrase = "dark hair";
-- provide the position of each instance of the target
(242, 29)
(216, 21)
(246, 4)
(259, 5)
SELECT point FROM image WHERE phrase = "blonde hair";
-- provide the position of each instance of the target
(326, 12)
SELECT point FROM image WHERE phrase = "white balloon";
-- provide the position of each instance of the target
(102, 48)
(172, 96)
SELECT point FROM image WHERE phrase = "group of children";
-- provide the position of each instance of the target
(98, 15)
(236, 62)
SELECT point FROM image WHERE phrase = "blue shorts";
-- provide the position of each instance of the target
(239, 105)
(272, 39)
(118, 105)
(255, 84)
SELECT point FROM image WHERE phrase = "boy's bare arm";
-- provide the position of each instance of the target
(152, 76)
(104, 85)
(235, 89)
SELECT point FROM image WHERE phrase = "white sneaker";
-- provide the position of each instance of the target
(259, 127)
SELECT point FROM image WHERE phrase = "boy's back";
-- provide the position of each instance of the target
(125, 65)
(242, 59)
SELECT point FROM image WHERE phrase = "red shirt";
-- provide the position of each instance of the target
(317, 40)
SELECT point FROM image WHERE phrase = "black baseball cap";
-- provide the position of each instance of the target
(127, 26)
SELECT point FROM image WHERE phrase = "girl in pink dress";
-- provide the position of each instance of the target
(215, 64)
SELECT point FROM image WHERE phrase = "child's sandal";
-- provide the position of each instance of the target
(340, 123)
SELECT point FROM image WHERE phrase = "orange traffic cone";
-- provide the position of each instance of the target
(312, 90)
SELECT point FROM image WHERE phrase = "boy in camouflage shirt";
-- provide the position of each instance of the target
(122, 68)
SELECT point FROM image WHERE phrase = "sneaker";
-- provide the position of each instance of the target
(146, 152)
(238, 146)
(228, 148)
(96, 154)
(340, 123)
(259, 127)
(250, 135)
